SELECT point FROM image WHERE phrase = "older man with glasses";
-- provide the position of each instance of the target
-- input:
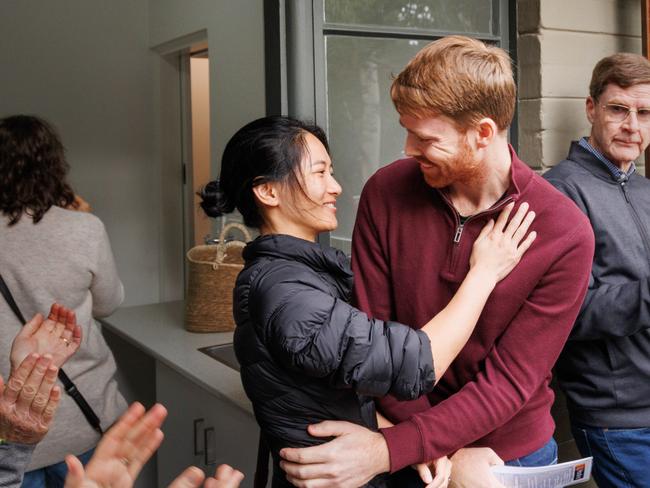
(605, 367)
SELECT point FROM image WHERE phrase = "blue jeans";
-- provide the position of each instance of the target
(52, 476)
(621, 456)
(544, 456)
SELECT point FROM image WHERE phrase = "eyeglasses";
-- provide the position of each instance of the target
(618, 113)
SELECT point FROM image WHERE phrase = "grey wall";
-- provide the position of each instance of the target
(235, 35)
(86, 67)
(89, 68)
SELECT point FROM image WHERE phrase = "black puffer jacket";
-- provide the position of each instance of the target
(306, 355)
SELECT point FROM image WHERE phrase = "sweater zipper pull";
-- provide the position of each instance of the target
(458, 234)
(624, 188)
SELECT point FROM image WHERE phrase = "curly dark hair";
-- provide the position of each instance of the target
(33, 168)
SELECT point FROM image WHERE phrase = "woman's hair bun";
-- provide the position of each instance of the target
(214, 201)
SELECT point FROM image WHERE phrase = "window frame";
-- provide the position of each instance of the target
(305, 56)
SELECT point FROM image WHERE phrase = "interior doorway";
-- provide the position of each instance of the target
(195, 130)
(199, 88)
(184, 132)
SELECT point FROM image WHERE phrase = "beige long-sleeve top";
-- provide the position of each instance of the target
(65, 258)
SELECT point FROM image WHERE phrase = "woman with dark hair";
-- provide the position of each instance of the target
(306, 355)
(50, 252)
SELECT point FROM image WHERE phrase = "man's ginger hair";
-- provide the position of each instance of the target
(461, 78)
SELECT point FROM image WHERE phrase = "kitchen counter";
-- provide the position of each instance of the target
(158, 331)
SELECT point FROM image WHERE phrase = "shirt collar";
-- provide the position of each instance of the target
(613, 169)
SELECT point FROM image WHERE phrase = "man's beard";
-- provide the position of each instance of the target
(464, 168)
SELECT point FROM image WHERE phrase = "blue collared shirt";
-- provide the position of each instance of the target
(613, 169)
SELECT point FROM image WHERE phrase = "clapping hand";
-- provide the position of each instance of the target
(224, 477)
(28, 400)
(126, 448)
(58, 335)
(122, 452)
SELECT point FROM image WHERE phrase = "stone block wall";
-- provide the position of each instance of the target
(559, 43)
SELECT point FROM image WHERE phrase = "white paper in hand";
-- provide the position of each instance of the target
(554, 476)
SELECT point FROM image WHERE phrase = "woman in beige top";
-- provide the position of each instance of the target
(52, 253)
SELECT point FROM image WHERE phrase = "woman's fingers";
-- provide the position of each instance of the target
(18, 378)
(442, 473)
(424, 472)
(64, 315)
(144, 439)
(76, 474)
(500, 224)
(66, 327)
(32, 383)
(76, 335)
(32, 326)
(49, 324)
(61, 318)
(225, 477)
(523, 247)
(55, 313)
(125, 423)
(71, 335)
(192, 477)
(136, 435)
(523, 227)
(52, 404)
(144, 451)
(58, 330)
(151, 421)
(42, 396)
(516, 220)
(71, 319)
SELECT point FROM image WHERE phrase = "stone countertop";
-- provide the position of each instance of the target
(158, 331)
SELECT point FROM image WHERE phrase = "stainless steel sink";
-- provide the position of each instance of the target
(224, 353)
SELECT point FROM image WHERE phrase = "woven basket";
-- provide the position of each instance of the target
(213, 270)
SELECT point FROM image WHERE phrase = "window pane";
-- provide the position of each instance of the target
(445, 15)
(363, 125)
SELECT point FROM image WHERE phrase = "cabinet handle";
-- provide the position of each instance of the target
(209, 442)
(198, 424)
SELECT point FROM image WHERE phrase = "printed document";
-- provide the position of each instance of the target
(555, 476)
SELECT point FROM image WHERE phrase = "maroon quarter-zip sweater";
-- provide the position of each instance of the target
(410, 253)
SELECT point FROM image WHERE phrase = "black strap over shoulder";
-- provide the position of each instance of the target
(4, 289)
(68, 385)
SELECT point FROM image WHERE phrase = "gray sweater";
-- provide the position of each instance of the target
(14, 459)
(66, 258)
(605, 366)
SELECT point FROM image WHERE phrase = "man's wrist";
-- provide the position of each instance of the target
(381, 455)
